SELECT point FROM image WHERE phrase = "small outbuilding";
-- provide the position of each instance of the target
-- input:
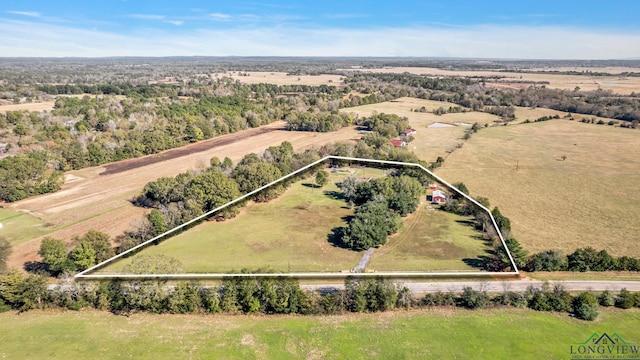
(438, 197)
(397, 143)
(409, 132)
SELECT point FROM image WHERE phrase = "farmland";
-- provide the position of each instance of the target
(588, 199)
(281, 78)
(431, 142)
(99, 197)
(428, 333)
(292, 234)
(615, 82)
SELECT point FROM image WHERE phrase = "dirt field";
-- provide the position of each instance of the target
(615, 83)
(35, 106)
(281, 78)
(98, 198)
(589, 199)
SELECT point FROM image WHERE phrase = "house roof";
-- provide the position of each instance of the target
(396, 143)
(439, 193)
(409, 131)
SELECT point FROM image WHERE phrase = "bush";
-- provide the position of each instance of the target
(625, 299)
(606, 299)
(472, 299)
(585, 306)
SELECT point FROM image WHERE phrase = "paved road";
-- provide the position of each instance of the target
(499, 286)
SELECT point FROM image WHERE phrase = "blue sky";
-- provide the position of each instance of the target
(495, 29)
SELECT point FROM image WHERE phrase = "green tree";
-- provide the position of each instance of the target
(55, 255)
(99, 242)
(585, 306)
(322, 178)
(549, 260)
(371, 225)
(23, 292)
(83, 255)
(254, 175)
(157, 221)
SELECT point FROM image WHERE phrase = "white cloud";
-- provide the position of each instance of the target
(220, 16)
(25, 13)
(174, 22)
(27, 38)
(146, 16)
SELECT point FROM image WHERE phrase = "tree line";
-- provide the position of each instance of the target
(279, 295)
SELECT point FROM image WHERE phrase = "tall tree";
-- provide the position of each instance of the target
(322, 178)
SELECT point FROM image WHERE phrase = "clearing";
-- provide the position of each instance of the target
(589, 199)
(281, 78)
(438, 333)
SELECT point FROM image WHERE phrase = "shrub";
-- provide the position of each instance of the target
(585, 306)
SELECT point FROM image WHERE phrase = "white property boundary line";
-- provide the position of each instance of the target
(86, 273)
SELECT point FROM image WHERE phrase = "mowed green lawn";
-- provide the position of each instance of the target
(431, 240)
(286, 234)
(420, 334)
(589, 199)
(18, 227)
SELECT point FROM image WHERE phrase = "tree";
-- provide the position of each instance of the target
(472, 299)
(157, 221)
(322, 178)
(371, 225)
(585, 306)
(99, 242)
(23, 293)
(55, 255)
(549, 260)
(255, 175)
(83, 255)
(5, 251)
(349, 187)
(500, 260)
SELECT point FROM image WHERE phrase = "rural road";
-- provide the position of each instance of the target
(499, 286)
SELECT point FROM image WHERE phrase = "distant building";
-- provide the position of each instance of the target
(438, 197)
(409, 132)
(398, 143)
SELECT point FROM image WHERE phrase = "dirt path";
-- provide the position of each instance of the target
(364, 261)
(99, 197)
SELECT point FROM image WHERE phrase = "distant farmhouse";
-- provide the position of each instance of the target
(409, 132)
(398, 143)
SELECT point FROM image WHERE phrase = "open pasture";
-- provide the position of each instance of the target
(431, 142)
(431, 240)
(438, 333)
(615, 82)
(281, 78)
(290, 233)
(563, 184)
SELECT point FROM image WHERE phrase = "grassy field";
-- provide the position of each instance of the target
(589, 199)
(429, 143)
(420, 334)
(431, 240)
(18, 227)
(291, 234)
(287, 234)
(281, 78)
(615, 83)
